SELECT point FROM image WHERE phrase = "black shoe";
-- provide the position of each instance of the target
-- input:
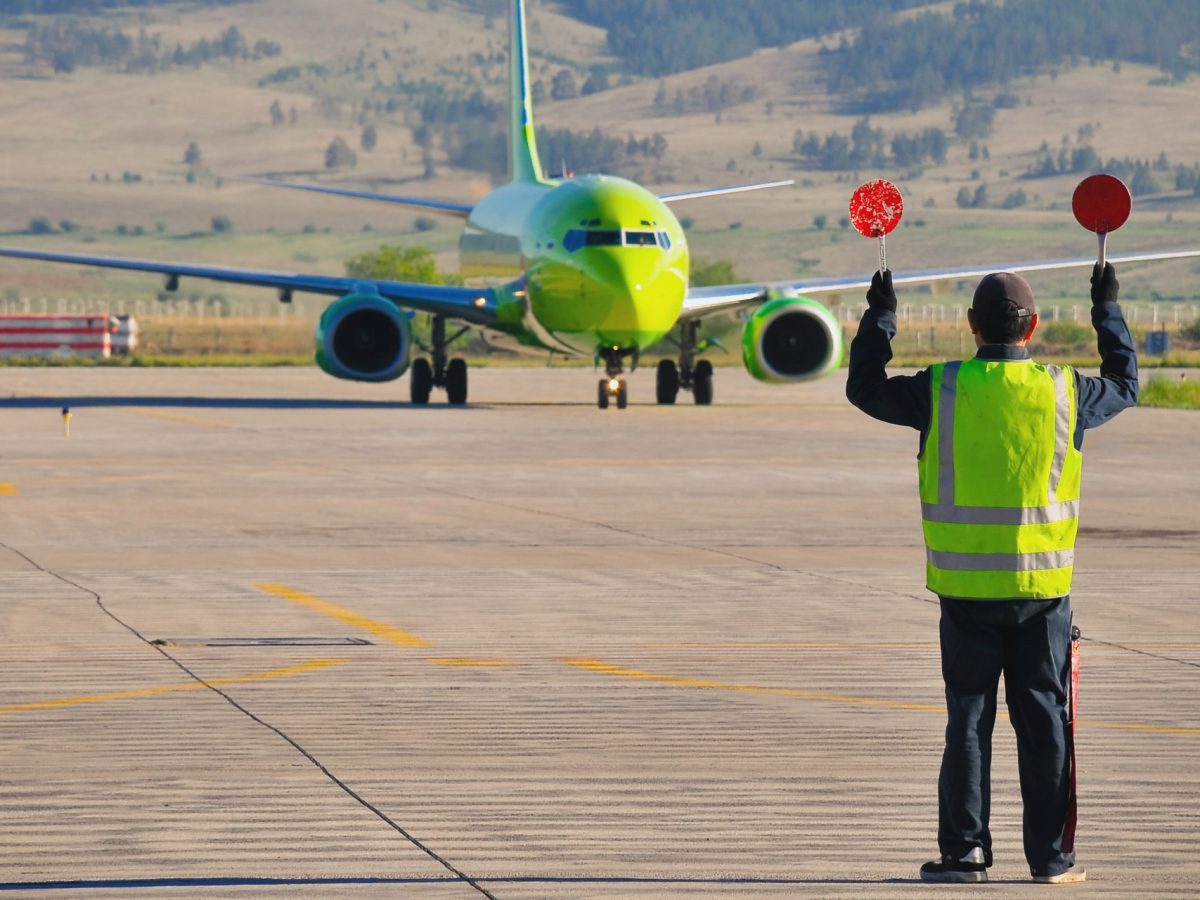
(1071, 876)
(971, 869)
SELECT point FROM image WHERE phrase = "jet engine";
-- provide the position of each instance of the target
(363, 337)
(791, 339)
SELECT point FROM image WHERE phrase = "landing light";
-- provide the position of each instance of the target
(481, 302)
(614, 385)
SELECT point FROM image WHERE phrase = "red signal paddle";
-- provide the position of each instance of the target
(875, 210)
(1101, 203)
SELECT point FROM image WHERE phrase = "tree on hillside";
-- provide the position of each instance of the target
(369, 138)
(719, 271)
(338, 155)
(277, 117)
(596, 82)
(390, 263)
(563, 87)
(191, 156)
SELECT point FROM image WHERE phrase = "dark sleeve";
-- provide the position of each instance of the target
(1117, 387)
(901, 399)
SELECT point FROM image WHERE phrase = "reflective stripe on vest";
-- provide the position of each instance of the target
(1012, 548)
(1001, 562)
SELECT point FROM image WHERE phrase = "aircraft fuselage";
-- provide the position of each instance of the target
(605, 262)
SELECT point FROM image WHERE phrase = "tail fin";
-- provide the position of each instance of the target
(523, 162)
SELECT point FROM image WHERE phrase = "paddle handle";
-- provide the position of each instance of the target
(882, 254)
(1102, 240)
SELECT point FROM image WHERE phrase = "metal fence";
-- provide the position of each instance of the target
(1154, 315)
(182, 309)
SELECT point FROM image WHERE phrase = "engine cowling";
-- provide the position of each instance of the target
(791, 339)
(363, 337)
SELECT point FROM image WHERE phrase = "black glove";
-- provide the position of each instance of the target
(881, 296)
(1104, 284)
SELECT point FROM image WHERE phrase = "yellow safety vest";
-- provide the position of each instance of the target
(1000, 480)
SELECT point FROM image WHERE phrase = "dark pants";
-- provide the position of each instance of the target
(1029, 641)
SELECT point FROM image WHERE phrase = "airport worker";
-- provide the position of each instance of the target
(999, 469)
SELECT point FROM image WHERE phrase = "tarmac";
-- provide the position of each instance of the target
(267, 634)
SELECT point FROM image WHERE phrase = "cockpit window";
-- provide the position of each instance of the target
(577, 238)
(573, 240)
(605, 238)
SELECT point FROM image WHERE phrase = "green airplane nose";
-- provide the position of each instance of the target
(632, 293)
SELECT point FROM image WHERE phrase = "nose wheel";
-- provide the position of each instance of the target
(612, 390)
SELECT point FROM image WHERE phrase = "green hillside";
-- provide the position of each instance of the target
(124, 123)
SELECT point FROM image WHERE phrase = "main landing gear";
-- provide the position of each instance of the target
(689, 375)
(424, 376)
(612, 387)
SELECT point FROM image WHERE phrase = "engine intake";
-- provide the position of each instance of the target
(791, 339)
(363, 337)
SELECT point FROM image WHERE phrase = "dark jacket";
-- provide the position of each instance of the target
(906, 399)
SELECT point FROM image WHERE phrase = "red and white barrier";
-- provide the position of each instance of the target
(56, 336)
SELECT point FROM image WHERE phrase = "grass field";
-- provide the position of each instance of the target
(1171, 394)
(69, 139)
(927, 335)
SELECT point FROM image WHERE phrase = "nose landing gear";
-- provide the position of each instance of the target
(612, 387)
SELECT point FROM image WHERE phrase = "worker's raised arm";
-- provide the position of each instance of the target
(1117, 387)
(901, 399)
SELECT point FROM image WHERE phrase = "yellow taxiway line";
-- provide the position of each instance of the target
(790, 645)
(603, 668)
(596, 665)
(270, 674)
(381, 630)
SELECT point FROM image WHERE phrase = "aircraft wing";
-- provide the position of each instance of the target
(445, 207)
(705, 301)
(718, 191)
(475, 305)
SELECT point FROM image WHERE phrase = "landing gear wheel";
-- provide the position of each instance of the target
(420, 381)
(602, 396)
(456, 382)
(622, 395)
(702, 383)
(667, 383)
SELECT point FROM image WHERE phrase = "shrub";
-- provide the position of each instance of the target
(1063, 333)
(338, 155)
(718, 271)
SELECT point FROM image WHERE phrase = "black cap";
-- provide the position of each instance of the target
(1004, 295)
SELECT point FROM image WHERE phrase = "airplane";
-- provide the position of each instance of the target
(593, 265)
